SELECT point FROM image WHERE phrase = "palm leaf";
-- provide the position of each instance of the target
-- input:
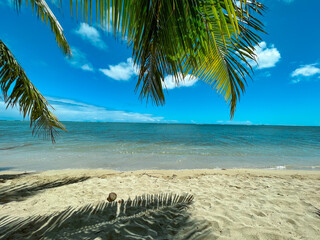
(162, 216)
(17, 89)
(42, 10)
(211, 39)
(228, 76)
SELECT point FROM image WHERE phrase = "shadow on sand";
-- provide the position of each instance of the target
(5, 177)
(145, 217)
(22, 191)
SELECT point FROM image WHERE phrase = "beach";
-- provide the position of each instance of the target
(234, 203)
(136, 131)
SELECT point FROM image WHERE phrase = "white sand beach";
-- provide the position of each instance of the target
(237, 204)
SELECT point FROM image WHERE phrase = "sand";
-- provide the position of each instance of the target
(236, 204)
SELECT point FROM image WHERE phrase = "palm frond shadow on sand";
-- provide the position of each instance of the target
(162, 216)
(5, 177)
(22, 191)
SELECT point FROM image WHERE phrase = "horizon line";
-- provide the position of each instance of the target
(177, 123)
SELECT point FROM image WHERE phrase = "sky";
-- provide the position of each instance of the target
(98, 83)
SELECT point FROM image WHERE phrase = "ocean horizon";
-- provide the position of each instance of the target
(135, 146)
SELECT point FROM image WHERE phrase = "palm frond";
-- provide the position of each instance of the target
(42, 10)
(211, 39)
(226, 67)
(18, 90)
(162, 216)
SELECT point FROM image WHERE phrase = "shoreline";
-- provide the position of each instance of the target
(181, 172)
(235, 203)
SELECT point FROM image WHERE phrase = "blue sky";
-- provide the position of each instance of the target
(98, 83)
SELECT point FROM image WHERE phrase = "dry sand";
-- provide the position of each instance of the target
(238, 204)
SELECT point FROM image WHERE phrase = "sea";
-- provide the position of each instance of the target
(134, 146)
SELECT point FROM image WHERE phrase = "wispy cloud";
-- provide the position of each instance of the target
(79, 60)
(267, 57)
(91, 34)
(306, 73)
(69, 110)
(122, 71)
(170, 83)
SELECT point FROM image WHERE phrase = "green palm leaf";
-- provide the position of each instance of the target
(42, 10)
(211, 39)
(17, 89)
(23, 92)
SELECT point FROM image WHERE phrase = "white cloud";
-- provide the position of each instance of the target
(86, 32)
(69, 110)
(87, 67)
(170, 83)
(266, 57)
(122, 71)
(79, 60)
(305, 72)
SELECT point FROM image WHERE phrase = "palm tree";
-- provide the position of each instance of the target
(213, 40)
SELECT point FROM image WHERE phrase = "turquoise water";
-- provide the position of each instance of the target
(130, 146)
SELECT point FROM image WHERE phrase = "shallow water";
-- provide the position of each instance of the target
(132, 146)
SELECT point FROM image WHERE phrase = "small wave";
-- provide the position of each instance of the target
(296, 167)
(281, 167)
(278, 168)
